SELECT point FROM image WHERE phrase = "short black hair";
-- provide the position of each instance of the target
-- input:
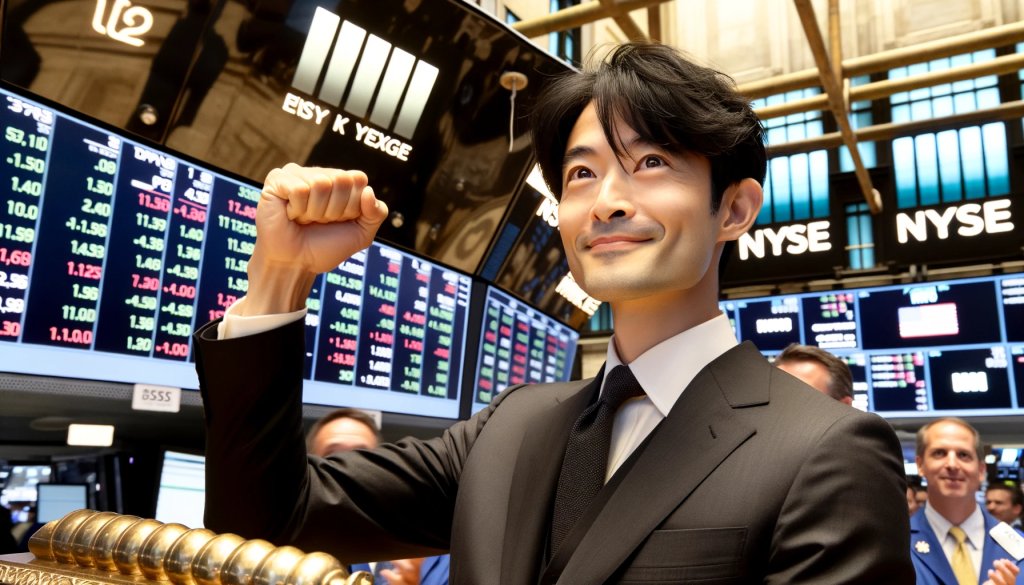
(667, 99)
(352, 413)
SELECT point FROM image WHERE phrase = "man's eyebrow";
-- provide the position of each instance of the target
(576, 152)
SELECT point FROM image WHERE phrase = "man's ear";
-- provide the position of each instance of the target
(741, 203)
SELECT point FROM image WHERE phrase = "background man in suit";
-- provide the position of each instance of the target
(689, 458)
(347, 429)
(1005, 502)
(818, 369)
(950, 536)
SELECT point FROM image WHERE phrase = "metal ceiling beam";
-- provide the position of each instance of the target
(834, 91)
(579, 15)
(998, 36)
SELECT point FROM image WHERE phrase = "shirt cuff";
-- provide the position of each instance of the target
(234, 325)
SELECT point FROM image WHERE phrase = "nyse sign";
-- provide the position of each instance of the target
(793, 239)
(971, 219)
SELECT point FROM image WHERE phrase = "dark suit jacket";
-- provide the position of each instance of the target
(753, 477)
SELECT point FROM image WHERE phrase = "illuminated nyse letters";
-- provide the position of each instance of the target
(132, 31)
(991, 217)
(575, 295)
(366, 72)
(812, 237)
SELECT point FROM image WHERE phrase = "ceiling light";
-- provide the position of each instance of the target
(91, 435)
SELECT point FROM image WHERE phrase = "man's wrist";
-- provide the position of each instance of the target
(276, 288)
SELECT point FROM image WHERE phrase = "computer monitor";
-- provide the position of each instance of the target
(112, 261)
(57, 500)
(519, 344)
(181, 495)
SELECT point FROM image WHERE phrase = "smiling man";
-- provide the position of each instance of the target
(951, 536)
(687, 459)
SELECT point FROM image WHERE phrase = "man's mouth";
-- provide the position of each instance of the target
(615, 242)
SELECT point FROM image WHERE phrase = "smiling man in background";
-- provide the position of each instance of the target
(950, 537)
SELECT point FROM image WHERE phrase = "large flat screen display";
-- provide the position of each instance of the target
(519, 344)
(927, 349)
(112, 252)
(181, 496)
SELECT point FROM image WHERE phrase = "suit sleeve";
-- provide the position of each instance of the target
(395, 501)
(845, 518)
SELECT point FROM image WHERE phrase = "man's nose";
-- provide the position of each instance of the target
(613, 198)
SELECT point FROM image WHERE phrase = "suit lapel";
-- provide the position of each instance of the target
(699, 433)
(930, 554)
(993, 550)
(533, 485)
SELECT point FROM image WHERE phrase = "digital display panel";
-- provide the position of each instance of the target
(931, 314)
(859, 371)
(519, 344)
(970, 379)
(948, 347)
(57, 500)
(1011, 293)
(772, 324)
(830, 321)
(110, 263)
(899, 382)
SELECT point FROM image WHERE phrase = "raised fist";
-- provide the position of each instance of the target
(309, 220)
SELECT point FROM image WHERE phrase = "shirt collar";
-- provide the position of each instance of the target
(666, 369)
(973, 526)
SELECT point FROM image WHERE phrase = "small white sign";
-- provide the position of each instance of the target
(1009, 539)
(158, 398)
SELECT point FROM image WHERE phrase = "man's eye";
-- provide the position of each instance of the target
(653, 161)
(581, 173)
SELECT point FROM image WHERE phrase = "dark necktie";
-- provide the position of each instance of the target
(586, 456)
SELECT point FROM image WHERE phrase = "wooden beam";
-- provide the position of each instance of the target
(835, 39)
(998, 36)
(834, 90)
(626, 24)
(579, 15)
(882, 89)
(654, 23)
(890, 131)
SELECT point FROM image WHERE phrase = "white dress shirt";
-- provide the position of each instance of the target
(973, 527)
(663, 371)
(234, 325)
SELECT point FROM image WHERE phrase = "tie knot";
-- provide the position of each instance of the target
(958, 533)
(620, 386)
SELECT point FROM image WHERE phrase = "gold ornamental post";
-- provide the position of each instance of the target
(102, 548)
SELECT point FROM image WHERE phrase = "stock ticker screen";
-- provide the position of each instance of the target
(518, 345)
(949, 348)
(113, 252)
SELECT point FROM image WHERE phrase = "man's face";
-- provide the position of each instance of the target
(343, 434)
(922, 497)
(950, 463)
(911, 501)
(636, 231)
(1000, 504)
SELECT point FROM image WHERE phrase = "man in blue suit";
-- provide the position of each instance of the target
(950, 537)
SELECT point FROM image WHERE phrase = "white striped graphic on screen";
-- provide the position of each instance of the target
(378, 58)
